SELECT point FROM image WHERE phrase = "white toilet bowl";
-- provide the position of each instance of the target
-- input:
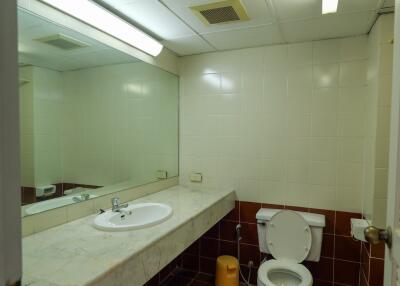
(283, 273)
(289, 240)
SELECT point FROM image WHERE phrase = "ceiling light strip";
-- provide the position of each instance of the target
(329, 6)
(100, 18)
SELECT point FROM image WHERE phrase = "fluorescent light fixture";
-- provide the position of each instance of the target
(329, 6)
(98, 17)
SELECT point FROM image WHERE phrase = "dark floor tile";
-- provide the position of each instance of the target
(347, 248)
(248, 211)
(190, 262)
(155, 281)
(186, 273)
(317, 282)
(200, 283)
(245, 272)
(207, 265)
(204, 277)
(177, 281)
(193, 249)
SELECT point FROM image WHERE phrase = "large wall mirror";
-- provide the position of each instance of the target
(93, 119)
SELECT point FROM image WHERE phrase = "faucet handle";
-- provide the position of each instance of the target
(115, 201)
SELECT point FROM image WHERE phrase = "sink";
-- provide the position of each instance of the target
(135, 216)
(55, 203)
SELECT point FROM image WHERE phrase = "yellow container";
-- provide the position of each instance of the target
(227, 272)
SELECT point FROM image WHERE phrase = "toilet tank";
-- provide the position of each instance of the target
(315, 221)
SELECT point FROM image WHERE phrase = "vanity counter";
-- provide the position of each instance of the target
(78, 254)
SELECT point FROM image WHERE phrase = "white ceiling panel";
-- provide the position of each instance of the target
(152, 15)
(188, 45)
(243, 38)
(300, 31)
(271, 22)
(257, 10)
(295, 9)
(343, 25)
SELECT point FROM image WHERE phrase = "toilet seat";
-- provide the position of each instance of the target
(286, 267)
(289, 241)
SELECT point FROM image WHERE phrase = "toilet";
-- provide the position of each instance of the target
(290, 237)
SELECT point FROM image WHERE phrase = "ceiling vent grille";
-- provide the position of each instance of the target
(221, 12)
(62, 42)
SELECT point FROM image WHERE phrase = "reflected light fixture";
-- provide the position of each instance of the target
(100, 18)
(329, 6)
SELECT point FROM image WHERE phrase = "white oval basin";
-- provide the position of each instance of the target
(134, 216)
(53, 203)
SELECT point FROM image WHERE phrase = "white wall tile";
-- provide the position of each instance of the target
(287, 126)
(326, 75)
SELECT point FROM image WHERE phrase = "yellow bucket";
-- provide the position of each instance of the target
(227, 272)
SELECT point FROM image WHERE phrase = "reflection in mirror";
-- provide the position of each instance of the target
(93, 120)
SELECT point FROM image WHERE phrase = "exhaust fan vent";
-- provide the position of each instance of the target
(62, 42)
(221, 12)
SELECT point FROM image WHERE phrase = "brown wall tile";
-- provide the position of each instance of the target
(376, 272)
(249, 252)
(327, 245)
(346, 272)
(347, 248)
(228, 230)
(342, 226)
(330, 217)
(209, 247)
(248, 211)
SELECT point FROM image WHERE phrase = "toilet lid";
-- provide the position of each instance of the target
(289, 236)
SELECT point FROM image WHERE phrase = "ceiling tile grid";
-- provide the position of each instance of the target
(271, 22)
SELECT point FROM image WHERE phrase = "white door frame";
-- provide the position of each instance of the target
(10, 216)
(394, 158)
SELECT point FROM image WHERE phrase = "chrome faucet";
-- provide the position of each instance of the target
(117, 206)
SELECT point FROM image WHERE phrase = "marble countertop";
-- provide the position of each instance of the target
(77, 254)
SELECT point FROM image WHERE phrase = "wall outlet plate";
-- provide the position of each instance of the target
(196, 177)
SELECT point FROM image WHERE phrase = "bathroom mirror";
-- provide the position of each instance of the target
(93, 119)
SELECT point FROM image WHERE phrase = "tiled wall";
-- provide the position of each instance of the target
(280, 124)
(41, 101)
(340, 257)
(121, 124)
(98, 126)
(372, 264)
(380, 61)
